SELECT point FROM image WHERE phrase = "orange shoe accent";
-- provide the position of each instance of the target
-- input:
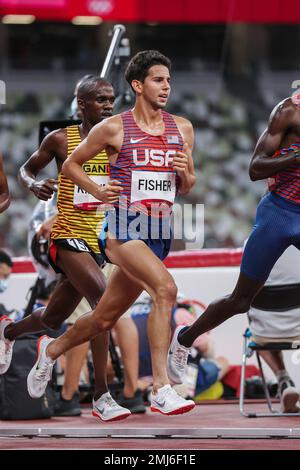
(38, 347)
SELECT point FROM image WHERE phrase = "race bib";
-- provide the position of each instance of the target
(85, 201)
(151, 185)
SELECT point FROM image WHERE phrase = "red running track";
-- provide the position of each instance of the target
(204, 417)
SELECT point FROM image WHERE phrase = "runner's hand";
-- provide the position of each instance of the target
(110, 193)
(180, 160)
(44, 189)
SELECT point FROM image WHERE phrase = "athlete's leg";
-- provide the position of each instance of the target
(146, 267)
(86, 276)
(128, 342)
(119, 295)
(83, 278)
(63, 302)
(141, 269)
(74, 362)
(220, 310)
(83, 272)
(264, 247)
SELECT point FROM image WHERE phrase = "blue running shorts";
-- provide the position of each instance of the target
(277, 226)
(154, 231)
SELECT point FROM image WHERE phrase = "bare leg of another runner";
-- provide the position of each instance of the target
(128, 342)
(90, 282)
(119, 295)
(63, 302)
(84, 278)
(75, 359)
(220, 310)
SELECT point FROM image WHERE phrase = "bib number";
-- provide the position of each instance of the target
(149, 185)
(85, 201)
(78, 244)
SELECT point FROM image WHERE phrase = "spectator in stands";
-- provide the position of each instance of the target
(6, 265)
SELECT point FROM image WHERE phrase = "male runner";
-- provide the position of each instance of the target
(74, 248)
(4, 192)
(147, 166)
(277, 226)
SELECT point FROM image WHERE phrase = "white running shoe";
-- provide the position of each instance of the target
(289, 396)
(41, 372)
(6, 346)
(168, 402)
(177, 358)
(107, 409)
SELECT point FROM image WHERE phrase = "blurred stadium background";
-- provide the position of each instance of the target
(233, 60)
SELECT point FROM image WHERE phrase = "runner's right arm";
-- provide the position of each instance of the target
(28, 172)
(264, 162)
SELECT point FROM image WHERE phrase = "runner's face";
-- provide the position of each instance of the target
(100, 105)
(156, 86)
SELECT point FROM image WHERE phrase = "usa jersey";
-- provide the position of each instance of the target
(145, 163)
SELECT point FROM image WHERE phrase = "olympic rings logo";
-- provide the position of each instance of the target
(101, 7)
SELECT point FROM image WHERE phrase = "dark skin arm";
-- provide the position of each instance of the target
(281, 132)
(4, 192)
(53, 146)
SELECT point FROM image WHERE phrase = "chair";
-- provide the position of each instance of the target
(249, 348)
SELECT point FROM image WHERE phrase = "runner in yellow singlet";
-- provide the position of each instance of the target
(74, 251)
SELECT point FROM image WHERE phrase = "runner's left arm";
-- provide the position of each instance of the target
(183, 161)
